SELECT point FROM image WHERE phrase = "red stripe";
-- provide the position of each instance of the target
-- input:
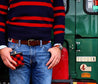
(33, 18)
(31, 3)
(59, 14)
(4, 7)
(29, 24)
(2, 30)
(59, 26)
(59, 8)
(58, 32)
(52, 1)
(10, 0)
(3, 13)
(2, 24)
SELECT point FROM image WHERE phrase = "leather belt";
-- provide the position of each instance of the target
(30, 42)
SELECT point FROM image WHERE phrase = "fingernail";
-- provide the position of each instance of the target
(14, 68)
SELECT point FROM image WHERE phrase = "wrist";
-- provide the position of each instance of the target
(58, 45)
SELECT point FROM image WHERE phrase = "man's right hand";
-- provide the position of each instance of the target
(7, 60)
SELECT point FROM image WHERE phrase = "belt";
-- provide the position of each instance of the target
(30, 42)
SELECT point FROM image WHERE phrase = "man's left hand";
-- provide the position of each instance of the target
(55, 57)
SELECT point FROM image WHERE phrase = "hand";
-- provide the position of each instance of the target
(55, 57)
(7, 60)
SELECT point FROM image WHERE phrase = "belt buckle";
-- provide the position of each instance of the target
(30, 41)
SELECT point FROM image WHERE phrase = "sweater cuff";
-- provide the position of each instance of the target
(59, 39)
(2, 46)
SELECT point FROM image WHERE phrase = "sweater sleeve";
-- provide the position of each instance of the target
(3, 18)
(59, 21)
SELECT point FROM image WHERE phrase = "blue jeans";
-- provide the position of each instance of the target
(35, 58)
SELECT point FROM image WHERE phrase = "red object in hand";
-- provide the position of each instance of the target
(18, 58)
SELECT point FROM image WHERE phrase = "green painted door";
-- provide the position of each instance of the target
(86, 42)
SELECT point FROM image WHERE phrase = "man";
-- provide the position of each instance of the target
(28, 25)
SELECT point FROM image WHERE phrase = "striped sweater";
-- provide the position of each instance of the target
(27, 19)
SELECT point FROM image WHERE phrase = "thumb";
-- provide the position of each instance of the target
(49, 50)
(10, 50)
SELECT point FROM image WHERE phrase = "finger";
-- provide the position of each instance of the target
(53, 63)
(8, 64)
(58, 59)
(49, 50)
(10, 49)
(12, 61)
(11, 66)
(50, 60)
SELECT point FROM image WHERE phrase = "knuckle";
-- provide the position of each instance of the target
(57, 62)
(50, 60)
(5, 63)
(10, 60)
(4, 59)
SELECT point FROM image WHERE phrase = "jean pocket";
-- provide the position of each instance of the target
(46, 47)
(12, 45)
(43, 51)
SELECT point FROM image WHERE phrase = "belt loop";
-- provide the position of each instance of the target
(19, 43)
(41, 43)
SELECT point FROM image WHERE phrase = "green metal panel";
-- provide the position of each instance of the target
(78, 23)
(70, 37)
(71, 48)
(70, 18)
(86, 25)
(87, 48)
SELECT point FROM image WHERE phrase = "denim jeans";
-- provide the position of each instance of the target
(35, 58)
